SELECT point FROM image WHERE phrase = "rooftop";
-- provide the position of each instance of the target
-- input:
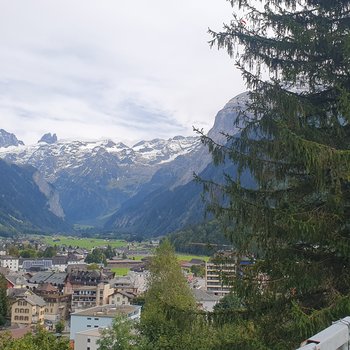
(95, 332)
(108, 311)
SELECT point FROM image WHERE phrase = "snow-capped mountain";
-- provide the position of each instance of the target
(147, 188)
(93, 178)
(52, 158)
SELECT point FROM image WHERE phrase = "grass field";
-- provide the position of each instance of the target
(180, 256)
(87, 243)
(187, 257)
(120, 271)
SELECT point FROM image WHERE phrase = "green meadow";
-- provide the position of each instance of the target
(120, 271)
(87, 243)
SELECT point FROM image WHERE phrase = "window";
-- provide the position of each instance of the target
(96, 326)
(88, 340)
(16, 317)
(88, 348)
(89, 318)
(89, 325)
(96, 319)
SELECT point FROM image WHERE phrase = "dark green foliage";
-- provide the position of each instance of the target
(28, 253)
(198, 271)
(228, 302)
(295, 141)
(202, 239)
(109, 252)
(59, 327)
(4, 302)
(41, 340)
(121, 336)
(96, 256)
(49, 252)
(169, 304)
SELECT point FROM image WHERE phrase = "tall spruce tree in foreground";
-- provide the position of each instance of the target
(295, 58)
(4, 303)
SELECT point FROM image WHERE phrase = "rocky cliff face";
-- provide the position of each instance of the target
(7, 139)
(48, 138)
(171, 200)
(25, 206)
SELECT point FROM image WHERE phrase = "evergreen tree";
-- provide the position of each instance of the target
(4, 303)
(295, 140)
(169, 306)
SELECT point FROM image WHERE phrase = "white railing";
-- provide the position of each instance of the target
(335, 337)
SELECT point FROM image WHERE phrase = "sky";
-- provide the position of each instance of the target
(120, 69)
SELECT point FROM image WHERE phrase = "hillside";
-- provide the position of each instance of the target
(24, 207)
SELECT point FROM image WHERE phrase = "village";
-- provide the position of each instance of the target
(73, 298)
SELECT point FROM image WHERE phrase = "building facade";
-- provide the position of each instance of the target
(100, 317)
(28, 309)
(10, 262)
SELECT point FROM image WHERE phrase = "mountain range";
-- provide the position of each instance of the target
(146, 189)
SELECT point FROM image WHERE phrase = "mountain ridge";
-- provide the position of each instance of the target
(145, 188)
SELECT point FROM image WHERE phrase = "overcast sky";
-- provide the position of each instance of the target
(120, 69)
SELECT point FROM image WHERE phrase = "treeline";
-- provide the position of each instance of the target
(202, 239)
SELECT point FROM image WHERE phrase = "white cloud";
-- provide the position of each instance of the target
(112, 68)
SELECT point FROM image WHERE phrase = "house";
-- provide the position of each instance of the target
(124, 263)
(16, 280)
(57, 279)
(59, 263)
(57, 303)
(205, 301)
(28, 309)
(9, 261)
(100, 317)
(121, 298)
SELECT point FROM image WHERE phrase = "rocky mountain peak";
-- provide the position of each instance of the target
(225, 120)
(7, 139)
(48, 138)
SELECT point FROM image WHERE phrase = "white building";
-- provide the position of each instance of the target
(9, 261)
(100, 317)
(87, 340)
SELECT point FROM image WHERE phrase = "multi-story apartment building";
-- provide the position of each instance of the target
(88, 289)
(28, 309)
(221, 269)
(88, 296)
(10, 262)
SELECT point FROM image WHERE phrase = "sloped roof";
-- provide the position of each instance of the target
(46, 287)
(202, 295)
(33, 299)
